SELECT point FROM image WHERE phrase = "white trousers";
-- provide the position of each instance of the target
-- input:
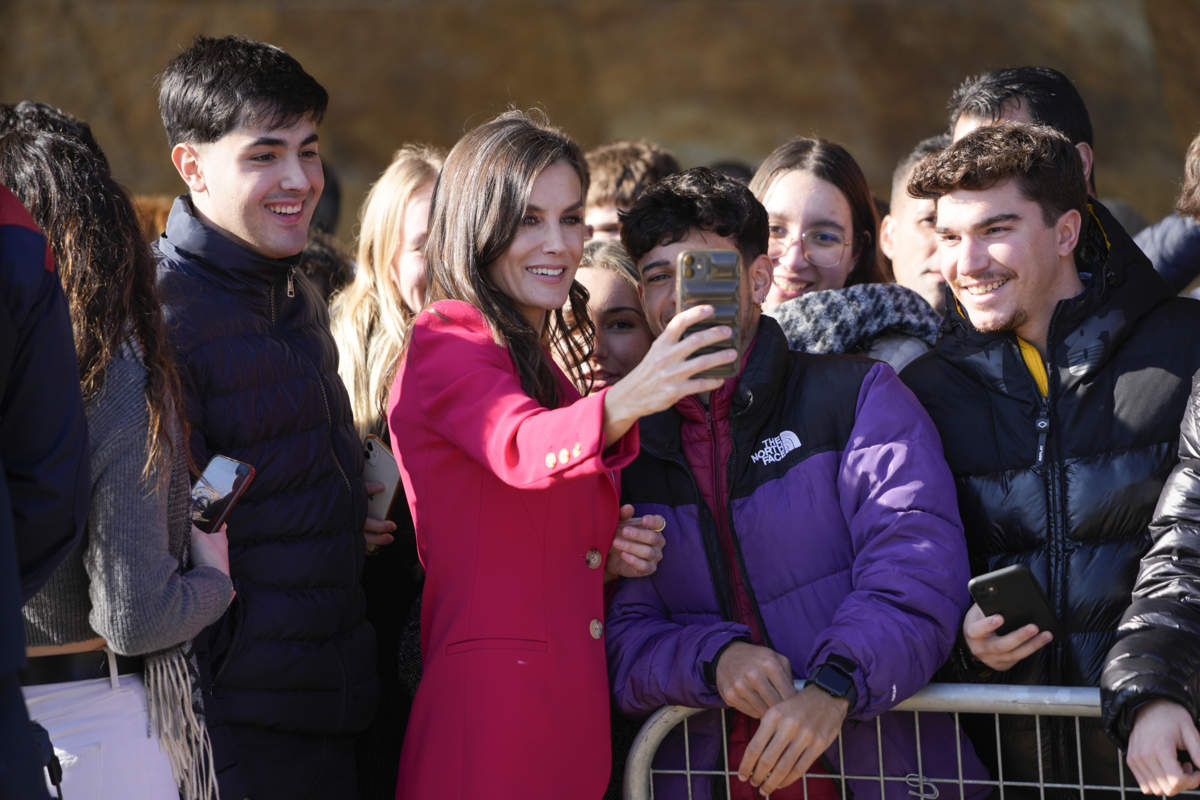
(101, 737)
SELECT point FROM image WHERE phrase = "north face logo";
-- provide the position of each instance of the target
(776, 448)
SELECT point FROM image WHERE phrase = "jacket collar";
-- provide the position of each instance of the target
(1120, 287)
(217, 255)
(763, 376)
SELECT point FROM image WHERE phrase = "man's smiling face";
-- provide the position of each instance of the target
(1007, 268)
(260, 186)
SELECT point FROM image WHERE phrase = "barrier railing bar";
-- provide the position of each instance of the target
(687, 755)
(920, 764)
(999, 755)
(842, 761)
(878, 753)
(1038, 701)
(1079, 755)
(958, 754)
(1037, 726)
(725, 755)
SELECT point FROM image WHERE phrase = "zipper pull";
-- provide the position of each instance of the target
(291, 289)
(1043, 427)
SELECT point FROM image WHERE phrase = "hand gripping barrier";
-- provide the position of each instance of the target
(1031, 702)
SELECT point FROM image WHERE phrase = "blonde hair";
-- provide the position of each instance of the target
(369, 317)
(611, 256)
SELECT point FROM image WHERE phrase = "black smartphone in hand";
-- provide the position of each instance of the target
(217, 489)
(1013, 593)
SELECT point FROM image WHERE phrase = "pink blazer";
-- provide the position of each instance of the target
(515, 507)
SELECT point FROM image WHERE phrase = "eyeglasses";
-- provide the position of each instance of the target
(821, 247)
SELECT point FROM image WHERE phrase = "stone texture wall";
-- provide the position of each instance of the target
(708, 78)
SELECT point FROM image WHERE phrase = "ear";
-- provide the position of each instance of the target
(187, 164)
(1066, 232)
(759, 276)
(1087, 157)
(885, 235)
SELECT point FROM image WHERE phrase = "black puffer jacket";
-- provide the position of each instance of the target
(259, 370)
(1066, 484)
(1157, 654)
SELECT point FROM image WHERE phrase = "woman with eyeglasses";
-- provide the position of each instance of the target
(830, 289)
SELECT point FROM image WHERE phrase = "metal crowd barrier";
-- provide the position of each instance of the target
(950, 698)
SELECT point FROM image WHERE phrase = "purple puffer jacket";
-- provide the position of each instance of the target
(849, 538)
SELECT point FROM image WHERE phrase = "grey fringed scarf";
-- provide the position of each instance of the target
(177, 718)
(848, 320)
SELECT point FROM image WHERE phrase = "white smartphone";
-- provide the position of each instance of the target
(380, 466)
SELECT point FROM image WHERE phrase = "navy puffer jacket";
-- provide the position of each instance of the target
(260, 384)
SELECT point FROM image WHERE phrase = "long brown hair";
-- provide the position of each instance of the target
(1189, 196)
(106, 268)
(832, 163)
(369, 317)
(478, 203)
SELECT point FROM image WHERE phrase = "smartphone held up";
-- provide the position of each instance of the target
(711, 277)
(216, 491)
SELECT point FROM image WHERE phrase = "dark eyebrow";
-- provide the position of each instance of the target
(619, 309)
(827, 223)
(662, 262)
(1010, 217)
(573, 207)
(275, 141)
(986, 223)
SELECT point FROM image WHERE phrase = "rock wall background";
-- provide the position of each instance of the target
(707, 78)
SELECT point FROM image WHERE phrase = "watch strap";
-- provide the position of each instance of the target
(835, 680)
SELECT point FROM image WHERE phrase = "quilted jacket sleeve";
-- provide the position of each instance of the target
(43, 430)
(655, 661)
(1157, 653)
(910, 565)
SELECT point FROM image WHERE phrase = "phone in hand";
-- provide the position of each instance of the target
(216, 491)
(379, 465)
(711, 277)
(1013, 593)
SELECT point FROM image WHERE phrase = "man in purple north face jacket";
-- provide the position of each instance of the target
(812, 532)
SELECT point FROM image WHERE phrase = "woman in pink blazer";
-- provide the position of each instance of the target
(510, 476)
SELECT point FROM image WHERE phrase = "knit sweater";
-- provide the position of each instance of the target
(126, 581)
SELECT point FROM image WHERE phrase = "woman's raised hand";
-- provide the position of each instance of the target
(666, 374)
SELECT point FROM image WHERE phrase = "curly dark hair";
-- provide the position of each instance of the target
(107, 270)
(1045, 164)
(32, 115)
(701, 199)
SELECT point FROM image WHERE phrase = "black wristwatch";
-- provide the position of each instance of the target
(835, 680)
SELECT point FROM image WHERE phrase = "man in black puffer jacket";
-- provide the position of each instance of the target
(1057, 386)
(289, 671)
